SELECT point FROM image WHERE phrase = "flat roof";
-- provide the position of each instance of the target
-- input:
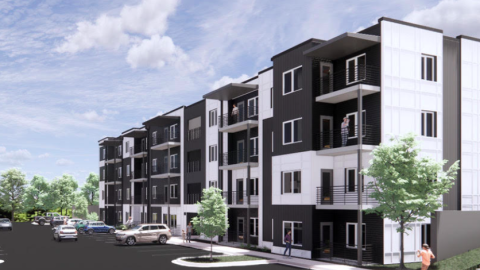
(231, 91)
(161, 120)
(135, 133)
(108, 141)
(312, 40)
(410, 24)
(469, 38)
(342, 45)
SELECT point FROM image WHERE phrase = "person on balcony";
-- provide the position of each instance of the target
(344, 131)
(235, 114)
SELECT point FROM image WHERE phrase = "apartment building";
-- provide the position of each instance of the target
(275, 147)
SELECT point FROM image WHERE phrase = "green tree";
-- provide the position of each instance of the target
(90, 189)
(12, 190)
(62, 192)
(81, 206)
(92, 216)
(212, 217)
(407, 187)
(36, 194)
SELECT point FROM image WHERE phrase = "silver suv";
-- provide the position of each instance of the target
(144, 233)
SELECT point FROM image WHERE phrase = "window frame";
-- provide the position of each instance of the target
(292, 72)
(292, 131)
(423, 67)
(154, 138)
(154, 165)
(104, 153)
(355, 224)
(347, 180)
(154, 192)
(127, 194)
(119, 172)
(271, 97)
(255, 101)
(154, 217)
(255, 185)
(291, 228)
(292, 187)
(174, 133)
(126, 146)
(173, 220)
(255, 227)
(167, 193)
(213, 149)
(119, 194)
(127, 171)
(356, 123)
(212, 117)
(172, 162)
(254, 151)
(119, 150)
(103, 174)
(424, 124)
(355, 58)
(175, 189)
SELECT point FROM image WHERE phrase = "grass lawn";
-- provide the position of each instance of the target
(412, 266)
(223, 259)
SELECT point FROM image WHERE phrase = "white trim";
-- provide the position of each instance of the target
(292, 234)
(355, 59)
(255, 222)
(255, 146)
(355, 182)
(172, 162)
(255, 113)
(173, 133)
(292, 181)
(292, 81)
(175, 187)
(292, 131)
(154, 192)
(424, 70)
(356, 238)
(424, 128)
(356, 123)
(212, 115)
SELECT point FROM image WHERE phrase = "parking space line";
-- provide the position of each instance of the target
(192, 254)
(165, 250)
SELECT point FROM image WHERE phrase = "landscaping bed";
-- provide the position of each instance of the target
(222, 259)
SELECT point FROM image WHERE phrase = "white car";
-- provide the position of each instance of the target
(62, 232)
(73, 221)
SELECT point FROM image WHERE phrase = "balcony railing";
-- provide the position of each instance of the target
(163, 169)
(346, 137)
(193, 166)
(239, 198)
(194, 134)
(364, 74)
(243, 114)
(238, 157)
(343, 253)
(343, 195)
(141, 147)
(193, 198)
(166, 135)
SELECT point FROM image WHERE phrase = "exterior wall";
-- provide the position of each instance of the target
(212, 138)
(470, 139)
(404, 96)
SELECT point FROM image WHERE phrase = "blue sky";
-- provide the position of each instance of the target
(72, 72)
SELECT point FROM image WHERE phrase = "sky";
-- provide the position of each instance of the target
(73, 72)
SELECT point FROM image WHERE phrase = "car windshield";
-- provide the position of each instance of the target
(4, 220)
(136, 228)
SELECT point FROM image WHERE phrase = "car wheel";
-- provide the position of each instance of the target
(130, 241)
(81, 231)
(111, 231)
(41, 223)
(59, 239)
(90, 232)
(162, 240)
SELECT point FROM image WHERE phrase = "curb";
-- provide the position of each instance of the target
(181, 262)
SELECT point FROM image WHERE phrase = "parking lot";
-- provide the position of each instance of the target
(33, 247)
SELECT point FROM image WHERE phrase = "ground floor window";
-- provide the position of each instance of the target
(297, 232)
(165, 219)
(119, 214)
(254, 227)
(173, 221)
(352, 235)
(154, 217)
(426, 234)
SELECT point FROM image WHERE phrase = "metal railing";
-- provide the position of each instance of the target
(140, 173)
(364, 74)
(346, 137)
(238, 157)
(193, 198)
(341, 252)
(342, 195)
(166, 135)
(194, 134)
(241, 115)
(163, 168)
(193, 166)
(139, 148)
(239, 198)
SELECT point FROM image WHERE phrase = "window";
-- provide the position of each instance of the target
(292, 182)
(120, 172)
(104, 153)
(119, 214)
(174, 191)
(352, 235)
(350, 180)
(252, 107)
(254, 227)
(213, 184)
(119, 150)
(356, 68)
(126, 146)
(127, 195)
(212, 153)
(292, 131)
(120, 194)
(103, 174)
(154, 138)
(212, 119)
(146, 193)
(165, 218)
(103, 194)
(173, 161)
(254, 147)
(272, 141)
(297, 232)
(429, 67)
(254, 186)
(194, 128)
(154, 165)
(429, 124)
(173, 221)
(154, 192)
(146, 167)
(292, 80)
(173, 131)
(353, 124)
(154, 217)
(128, 170)
(272, 229)
(425, 234)
(165, 190)
(271, 98)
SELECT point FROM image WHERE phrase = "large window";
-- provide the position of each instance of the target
(212, 153)
(154, 165)
(356, 68)
(254, 186)
(154, 192)
(120, 194)
(127, 146)
(254, 227)
(212, 119)
(297, 232)
(128, 170)
(352, 235)
(154, 138)
(429, 67)
(429, 124)
(174, 191)
(350, 180)
(292, 80)
(120, 172)
(254, 147)
(173, 221)
(173, 131)
(127, 194)
(252, 107)
(292, 131)
(174, 161)
(292, 182)
(353, 124)
(426, 234)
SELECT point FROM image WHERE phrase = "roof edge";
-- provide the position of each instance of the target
(314, 40)
(469, 38)
(410, 24)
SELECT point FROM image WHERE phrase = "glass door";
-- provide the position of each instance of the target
(326, 239)
(240, 152)
(240, 189)
(240, 231)
(326, 78)
(326, 132)
(327, 187)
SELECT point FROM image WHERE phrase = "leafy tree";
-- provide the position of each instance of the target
(212, 217)
(92, 216)
(81, 206)
(407, 187)
(12, 190)
(90, 189)
(62, 192)
(36, 193)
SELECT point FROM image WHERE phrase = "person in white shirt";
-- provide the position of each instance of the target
(344, 131)
(129, 223)
(235, 114)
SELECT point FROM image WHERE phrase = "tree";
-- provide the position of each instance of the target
(92, 216)
(212, 217)
(407, 187)
(90, 189)
(12, 189)
(36, 193)
(81, 206)
(62, 192)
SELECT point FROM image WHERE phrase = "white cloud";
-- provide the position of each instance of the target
(14, 158)
(454, 17)
(109, 112)
(64, 162)
(226, 80)
(149, 17)
(93, 116)
(45, 155)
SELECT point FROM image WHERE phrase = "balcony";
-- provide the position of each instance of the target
(235, 160)
(170, 137)
(340, 252)
(344, 85)
(194, 134)
(193, 198)
(239, 199)
(162, 171)
(235, 122)
(193, 166)
(337, 142)
(140, 175)
(343, 197)
(139, 150)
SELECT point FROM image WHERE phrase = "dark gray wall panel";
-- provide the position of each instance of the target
(194, 111)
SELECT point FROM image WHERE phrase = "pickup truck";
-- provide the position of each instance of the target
(41, 220)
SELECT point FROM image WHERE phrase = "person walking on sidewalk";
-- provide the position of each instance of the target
(288, 244)
(129, 223)
(426, 255)
(189, 232)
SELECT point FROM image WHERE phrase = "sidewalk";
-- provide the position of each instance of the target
(296, 262)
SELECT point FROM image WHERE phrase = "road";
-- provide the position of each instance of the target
(32, 247)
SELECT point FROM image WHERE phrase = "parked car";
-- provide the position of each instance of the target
(80, 226)
(57, 221)
(41, 220)
(5, 224)
(64, 232)
(145, 233)
(98, 227)
(73, 221)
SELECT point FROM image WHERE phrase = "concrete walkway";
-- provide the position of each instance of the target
(296, 262)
